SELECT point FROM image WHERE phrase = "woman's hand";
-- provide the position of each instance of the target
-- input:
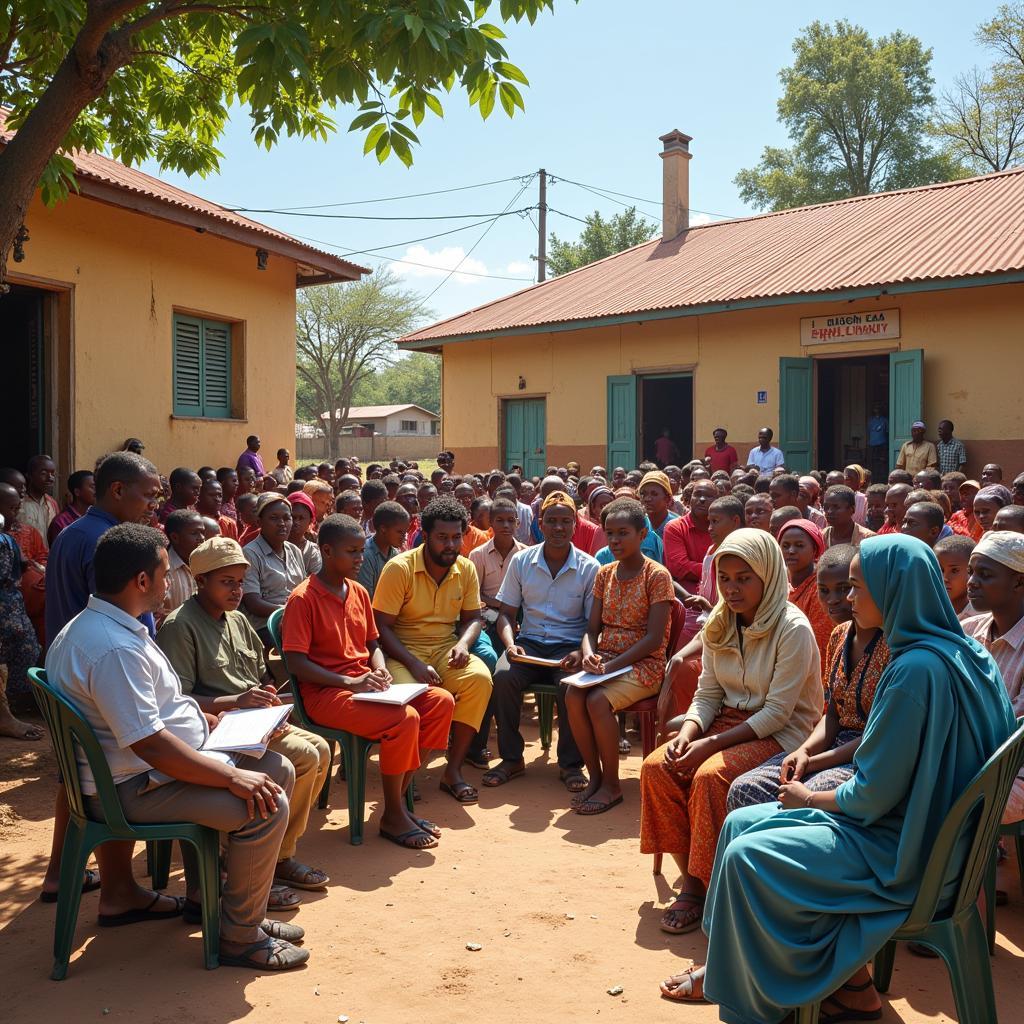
(793, 795)
(696, 754)
(594, 663)
(794, 767)
(694, 602)
(571, 662)
(675, 751)
(514, 651)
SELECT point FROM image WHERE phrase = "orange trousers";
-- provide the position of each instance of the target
(402, 731)
(682, 813)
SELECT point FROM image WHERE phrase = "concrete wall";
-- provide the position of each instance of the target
(125, 275)
(971, 339)
(370, 449)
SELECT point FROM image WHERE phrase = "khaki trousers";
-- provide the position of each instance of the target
(310, 756)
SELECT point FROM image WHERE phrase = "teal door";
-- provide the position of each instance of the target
(796, 413)
(622, 425)
(525, 435)
(906, 375)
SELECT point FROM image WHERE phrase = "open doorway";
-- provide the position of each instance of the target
(666, 403)
(850, 392)
(23, 411)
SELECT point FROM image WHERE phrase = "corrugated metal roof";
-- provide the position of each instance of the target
(940, 232)
(128, 180)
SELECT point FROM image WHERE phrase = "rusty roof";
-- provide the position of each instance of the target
(99, 177)
(907, 240)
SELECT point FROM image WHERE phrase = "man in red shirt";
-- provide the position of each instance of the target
(722, 455)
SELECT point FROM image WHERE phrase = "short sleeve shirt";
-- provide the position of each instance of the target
(766, 461)
(491, 567)
(374, 561)
(213, 657)
(426, 612)
(271, 575)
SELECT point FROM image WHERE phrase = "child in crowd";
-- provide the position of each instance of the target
(329, 639)
(853, 664)
(840, 508)
(874, 513)
(1010, 517)
(954, 555)
(629, 627)
(348, 503)
(758, 511)
(987, 503)
(390, 526)
(248, 527)
(303, 514)
(480, 514)
(781, 516)
(802, 545)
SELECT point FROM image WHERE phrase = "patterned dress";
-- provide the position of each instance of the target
(805, 597)
(19, 647)
(849, 692)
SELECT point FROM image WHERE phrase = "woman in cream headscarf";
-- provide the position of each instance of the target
(759, 694)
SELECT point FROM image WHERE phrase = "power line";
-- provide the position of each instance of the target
(571, 216)
(370, 216)
(601, 191)
(412, 241)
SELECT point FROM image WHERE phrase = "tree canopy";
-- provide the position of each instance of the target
(155, 79)
(415, 378)
(856, 110)
(598, 239)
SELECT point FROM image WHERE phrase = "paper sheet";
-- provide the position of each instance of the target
(590, 679)
(396, 693)
(247, 729)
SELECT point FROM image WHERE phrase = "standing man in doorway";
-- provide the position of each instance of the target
(764, 456)
(917, 453)
(39, 508)
(665, 451)
(951, 451)
(250, 458)
(721, 455)
(878, 440)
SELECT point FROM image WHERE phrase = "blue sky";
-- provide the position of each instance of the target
(607, 78)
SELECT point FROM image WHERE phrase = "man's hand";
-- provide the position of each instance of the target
(258, 697)
(374, 681)
(793, 795)
(794, 767)
(594, 663)
(212, 720)
(458, 656)
(514, 651)
(424, 673)
(259, 791)
(571, 662)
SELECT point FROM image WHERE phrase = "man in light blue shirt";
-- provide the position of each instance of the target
(764, 456)
(552, 584)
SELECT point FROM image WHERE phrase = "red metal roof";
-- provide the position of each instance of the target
(172, 203)
(948, 231)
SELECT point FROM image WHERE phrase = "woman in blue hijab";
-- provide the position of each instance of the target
(802, 898)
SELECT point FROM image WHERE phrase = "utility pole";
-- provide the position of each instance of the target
(542, 228)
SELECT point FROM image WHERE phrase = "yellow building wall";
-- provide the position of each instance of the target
(971, 337)
(128, 275)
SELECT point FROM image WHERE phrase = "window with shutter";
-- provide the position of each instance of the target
(202, 367)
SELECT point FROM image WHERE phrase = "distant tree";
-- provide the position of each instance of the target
(598, 239)
(155, 78)
(344, 334)
(856, 110)
(415, 379)
(980, 120)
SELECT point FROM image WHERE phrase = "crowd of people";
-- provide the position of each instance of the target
(833, 659)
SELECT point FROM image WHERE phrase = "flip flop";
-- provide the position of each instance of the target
(402, 839)
(689, 997)
(429, 827)
(284, 956)
(595, 807)
(481, 760)
(468, 794)
(145, 914)
(689, 903)
(300, 879)
(499, 776)
(574, 780)
(90, 884)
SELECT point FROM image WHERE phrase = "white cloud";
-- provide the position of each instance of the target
(517, 268)
(700, 218)
(421, 262)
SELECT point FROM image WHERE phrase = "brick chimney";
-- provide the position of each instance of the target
(675, 177)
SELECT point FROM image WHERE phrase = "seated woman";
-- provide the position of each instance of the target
(629, 626)
(802, 898)
(759, 695)
(987, 503)
(802, 544)
(854, 662)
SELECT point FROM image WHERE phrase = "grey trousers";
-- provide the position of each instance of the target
(252, 844)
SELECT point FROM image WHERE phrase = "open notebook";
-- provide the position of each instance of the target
(396, 693)
(247, 730)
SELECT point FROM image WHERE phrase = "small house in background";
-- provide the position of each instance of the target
(810, 321)
(390, 421)
(139, 309)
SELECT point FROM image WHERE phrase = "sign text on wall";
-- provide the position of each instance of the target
(866, 325)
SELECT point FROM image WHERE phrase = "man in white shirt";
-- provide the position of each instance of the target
(764, 456)
(106, 664)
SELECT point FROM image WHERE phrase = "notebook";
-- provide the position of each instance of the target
(247, 730)
(396, 693)
(529, 659)
(590, 679)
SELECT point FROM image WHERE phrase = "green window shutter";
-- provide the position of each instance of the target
(622, 423)
(187, 360)
(216, 369)
(906, 373)
(796, 413)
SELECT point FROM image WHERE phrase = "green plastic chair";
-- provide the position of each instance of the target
(84, 834)
(355, 749)
(957, 932)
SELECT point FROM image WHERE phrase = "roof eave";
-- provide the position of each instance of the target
(676, 312)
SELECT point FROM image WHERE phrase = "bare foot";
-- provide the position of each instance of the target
(17, 729)
(687, 987)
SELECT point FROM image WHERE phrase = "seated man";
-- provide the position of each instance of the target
(185, 532)
(427, 608)
(552, 583)
(330, 640)
(105, 663)
(219, 660)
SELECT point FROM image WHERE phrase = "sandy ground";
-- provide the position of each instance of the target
(563, 907)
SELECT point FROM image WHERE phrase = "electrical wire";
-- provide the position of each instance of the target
(370, 216)
(600, 191)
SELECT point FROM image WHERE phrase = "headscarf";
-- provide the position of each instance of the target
(557, 498)
(812, 531)
(995, 492)
(761, 552)
(1004, 547)
(264, 501)
(655, 476)
(859, 471)
(596, 493)
(301, 498)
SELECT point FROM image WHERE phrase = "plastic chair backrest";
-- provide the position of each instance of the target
(980, 807)
(274, 629)
(677, 622)
(68, 728)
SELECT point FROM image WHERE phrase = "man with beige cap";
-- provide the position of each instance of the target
(219, 658)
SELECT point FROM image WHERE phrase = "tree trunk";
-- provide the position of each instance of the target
(80, 79)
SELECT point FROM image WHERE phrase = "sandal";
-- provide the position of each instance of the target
(624, 746)
(574, 780)
(409, 840)
(501, 774)
(193, 914)
(429, 827)
(463, 792)
(482, 760)
(281, 899)
(670, 987)
(90, 883)
(848, 1012)
(146, 913)
(687, 906)
(592, 806)
(295, 875)
(283, 956)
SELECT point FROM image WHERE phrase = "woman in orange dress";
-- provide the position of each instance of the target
(802, 545)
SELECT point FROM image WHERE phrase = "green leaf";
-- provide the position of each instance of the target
(506, 70)
(373, 137)
(414, 24)
(490, 31)
(434, 103)
(487, 100)
(383, 147)
(402, 150)
(365, 120)
(402, 130)
(510, 98)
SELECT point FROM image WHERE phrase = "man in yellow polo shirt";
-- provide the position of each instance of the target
(427, 608)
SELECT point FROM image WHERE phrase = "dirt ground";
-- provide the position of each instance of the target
(563, 907)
